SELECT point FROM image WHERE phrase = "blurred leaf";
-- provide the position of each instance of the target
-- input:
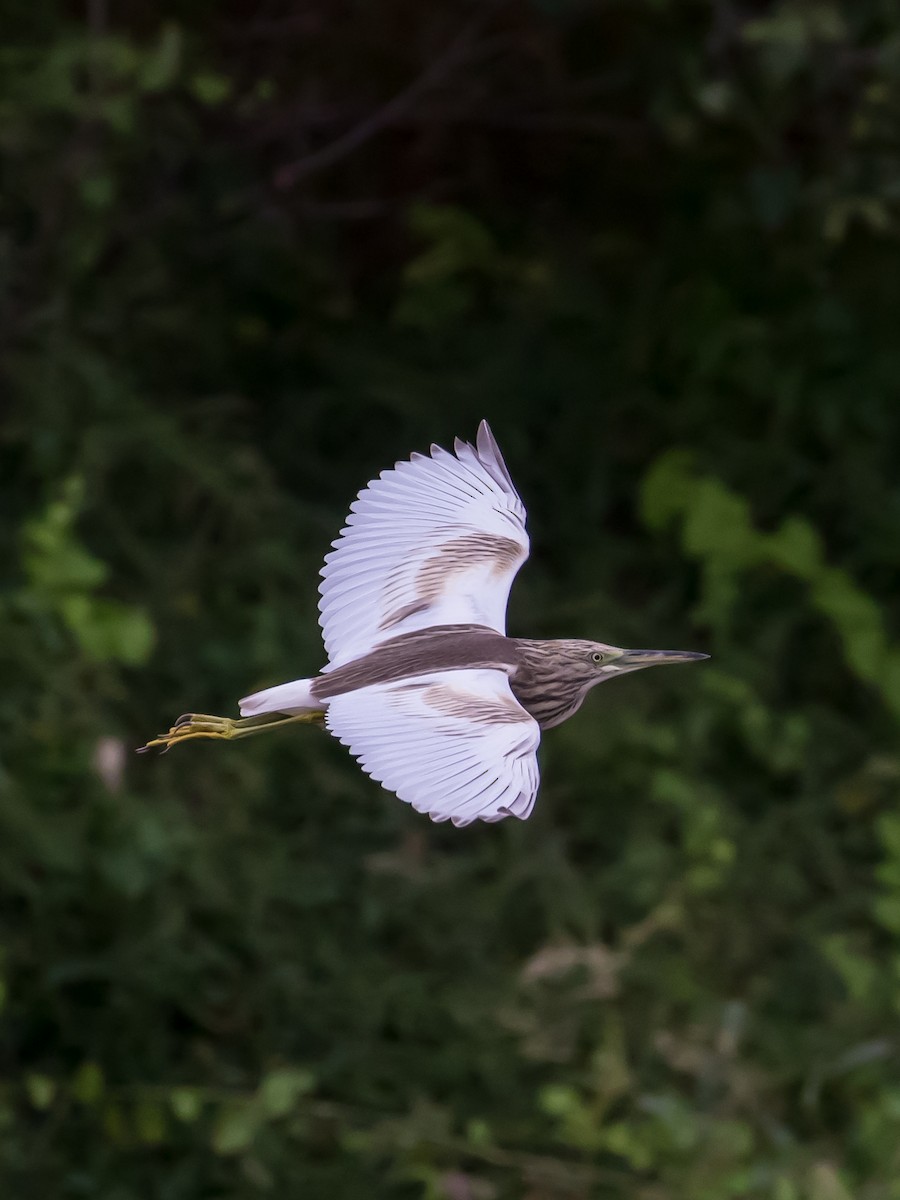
(107, 630)
(825, 1183)
(667, 488)
(858, 973)
(210, 88)
(458, 243)
(115, 1126)
(236, 1127)
(187, 1103)
(282, 1088)
(41, 1090)
(796, 21)
(718, 524)
(858, 618)
(162, 64)
(88, 1084)
(717, 530)
(53, 559)
(795, 546)
(63, 576)
(887, 912)
(150, 1122)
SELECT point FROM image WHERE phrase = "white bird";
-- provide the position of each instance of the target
(422, 683)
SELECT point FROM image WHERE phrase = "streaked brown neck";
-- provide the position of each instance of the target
(543, 684)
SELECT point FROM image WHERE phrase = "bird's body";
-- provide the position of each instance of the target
(422, 683)
(544, 676)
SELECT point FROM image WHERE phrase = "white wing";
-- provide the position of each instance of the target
(435, 541)
(453, 744)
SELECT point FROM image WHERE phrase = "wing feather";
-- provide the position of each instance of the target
(436, 540)
(454, 744)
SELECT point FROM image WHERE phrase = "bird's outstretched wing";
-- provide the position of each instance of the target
(434, 541)
(454, 744)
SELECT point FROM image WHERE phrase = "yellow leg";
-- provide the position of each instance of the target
(203, 725)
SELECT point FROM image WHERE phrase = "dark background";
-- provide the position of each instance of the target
(250, 255)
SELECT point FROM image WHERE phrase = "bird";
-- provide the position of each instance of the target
(422, 683)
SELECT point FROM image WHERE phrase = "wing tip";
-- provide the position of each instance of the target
(491, 457)
(485, 440)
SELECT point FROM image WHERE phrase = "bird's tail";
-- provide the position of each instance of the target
(291, 698)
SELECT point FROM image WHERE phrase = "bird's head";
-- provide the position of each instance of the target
(593, 662)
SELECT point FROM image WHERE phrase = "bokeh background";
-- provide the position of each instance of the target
(250, 255)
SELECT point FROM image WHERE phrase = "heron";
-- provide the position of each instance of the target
(422, 684)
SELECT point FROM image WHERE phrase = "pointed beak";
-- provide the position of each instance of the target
(652, 658)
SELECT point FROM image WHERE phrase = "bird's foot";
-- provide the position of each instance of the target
(204, 725)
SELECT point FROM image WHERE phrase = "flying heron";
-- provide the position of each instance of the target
(422, 683)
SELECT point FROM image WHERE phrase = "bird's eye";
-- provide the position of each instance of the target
(597, 656)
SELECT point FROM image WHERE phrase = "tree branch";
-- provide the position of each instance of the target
(459, 51)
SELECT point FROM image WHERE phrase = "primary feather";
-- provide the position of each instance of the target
(434, 541)
(456, 745)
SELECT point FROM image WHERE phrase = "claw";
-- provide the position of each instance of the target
(201, 725)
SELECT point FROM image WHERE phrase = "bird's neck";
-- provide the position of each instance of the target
(542, 684)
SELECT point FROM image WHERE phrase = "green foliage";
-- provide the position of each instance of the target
(247, 260)
(440, 284)
(718, 531)
(62, 579)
